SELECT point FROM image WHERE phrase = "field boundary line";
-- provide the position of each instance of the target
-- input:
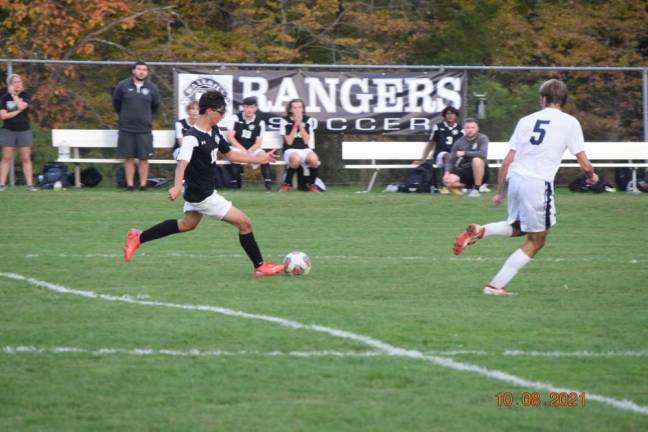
(195, 352)
(621, 404)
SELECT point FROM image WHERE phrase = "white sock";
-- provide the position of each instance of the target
(498, 229)
(510, 268)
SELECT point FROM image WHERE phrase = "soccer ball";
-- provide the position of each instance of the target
(297, 263)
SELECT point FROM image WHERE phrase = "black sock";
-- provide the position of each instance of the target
(251, 248)
(313, 175)
(265, 172)
(290, 172)
(160, 230)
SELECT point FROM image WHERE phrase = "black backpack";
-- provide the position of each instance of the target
(419, 180)
(53, 172)
(579, 184)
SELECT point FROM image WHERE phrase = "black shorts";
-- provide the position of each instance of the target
(465, 174)
(132, 145)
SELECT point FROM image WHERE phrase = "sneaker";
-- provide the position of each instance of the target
(143, 188)
(268, 185)
(491, 290)
(268, 269)
(434, 189)
(31, 188)
(284, 188)
(130, 189)
(444, 191)
(132, 243)
(484, 188)
(456, 191)
(2, 188)
(469, 237)
(473, 193)
(313, 188)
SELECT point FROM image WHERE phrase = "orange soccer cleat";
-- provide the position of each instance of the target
(313, 188)
(284, 188)
(268, 269)
(132, 243)
(469, 237)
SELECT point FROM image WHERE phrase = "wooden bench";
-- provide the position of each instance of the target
(384, 155)
(70, 142)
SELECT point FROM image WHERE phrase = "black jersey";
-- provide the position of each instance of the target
(298, 142)
(21, 121)
(246, 132)
(199, 175)
(444, 136)
(184, 127)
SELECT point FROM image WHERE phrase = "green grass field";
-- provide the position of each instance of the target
(383, 272)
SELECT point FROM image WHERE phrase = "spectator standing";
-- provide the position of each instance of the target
(444, 135)
(296, 129)
(466, 164)
(245, 135)
(528, 170)
(135, 100)
(16, 131)
(182, 126)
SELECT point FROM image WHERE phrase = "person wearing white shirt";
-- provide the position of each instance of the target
(535, 151)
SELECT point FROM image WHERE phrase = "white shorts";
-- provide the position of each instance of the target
(303, 154)
(439, 159)
(214, 206)
(531, 201)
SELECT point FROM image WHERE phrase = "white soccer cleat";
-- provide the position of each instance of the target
(491, 290)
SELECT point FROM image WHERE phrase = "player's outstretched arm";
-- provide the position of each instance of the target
(590, 176)
(501, 178)
(249, 158)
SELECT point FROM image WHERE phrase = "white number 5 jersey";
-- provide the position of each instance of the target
(540, 140)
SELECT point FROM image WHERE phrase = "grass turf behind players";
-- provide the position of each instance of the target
(382, 267)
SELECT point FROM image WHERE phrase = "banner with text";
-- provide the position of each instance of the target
(340, 102)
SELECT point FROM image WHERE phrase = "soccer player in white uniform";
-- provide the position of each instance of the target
(535, 151)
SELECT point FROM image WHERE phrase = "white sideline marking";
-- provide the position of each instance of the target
(341, 257)
(625, 405)
(194, 352)
(190, 353)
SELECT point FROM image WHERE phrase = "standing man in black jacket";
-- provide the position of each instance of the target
(135, 100)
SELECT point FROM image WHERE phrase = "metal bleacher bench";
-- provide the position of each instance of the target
(383, 155)
(70, 141)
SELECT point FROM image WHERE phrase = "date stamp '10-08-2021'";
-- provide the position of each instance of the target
(506, 399)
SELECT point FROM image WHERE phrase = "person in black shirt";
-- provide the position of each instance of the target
(444, 135)
(245, 134)
(135, 100)
(198, 153)
(297, 128)
(16, 131)
(182, 126)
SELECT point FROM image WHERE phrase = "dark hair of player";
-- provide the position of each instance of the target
(554, 92)
(211, 99)
(250, 101)
(290, 104)
(448, 109)
(471, 120)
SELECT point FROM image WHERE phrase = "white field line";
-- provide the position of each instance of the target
(194, 352)
(339, 257)
(392, 350)
(26, 349)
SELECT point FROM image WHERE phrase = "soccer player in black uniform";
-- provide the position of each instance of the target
(195, 166)
(245, 135)
(297, 128)
(444, 135)
(182, 126)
